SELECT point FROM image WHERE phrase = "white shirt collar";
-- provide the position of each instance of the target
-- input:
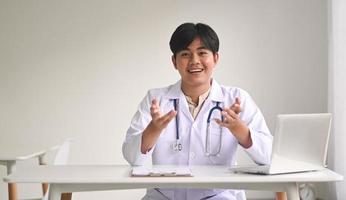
(175, 92)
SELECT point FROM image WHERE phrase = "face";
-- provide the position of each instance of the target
(195, 64)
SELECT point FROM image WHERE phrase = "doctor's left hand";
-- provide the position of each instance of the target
(235, 125)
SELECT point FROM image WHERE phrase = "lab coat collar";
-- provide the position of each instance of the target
(216, 94)
(174, 91)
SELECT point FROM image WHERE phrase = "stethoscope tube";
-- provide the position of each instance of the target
(208, 135)
(176, 119)
(217, 107)
(177, 146)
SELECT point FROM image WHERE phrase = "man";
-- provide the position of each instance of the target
(191, 102)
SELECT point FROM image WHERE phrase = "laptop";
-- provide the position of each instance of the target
(300, 144)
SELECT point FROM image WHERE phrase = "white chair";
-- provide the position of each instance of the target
(60, 158)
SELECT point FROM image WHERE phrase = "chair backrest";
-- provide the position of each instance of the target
(62, 154)
(34, 191)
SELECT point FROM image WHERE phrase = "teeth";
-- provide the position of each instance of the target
(195, 70)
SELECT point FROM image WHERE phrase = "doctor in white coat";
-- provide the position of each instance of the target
(170, 126)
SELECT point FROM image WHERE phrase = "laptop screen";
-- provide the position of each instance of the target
(302, 137)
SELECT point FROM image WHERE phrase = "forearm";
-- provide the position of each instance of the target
(243, 135)
(149, 138)
(260, 151)
(132, 149)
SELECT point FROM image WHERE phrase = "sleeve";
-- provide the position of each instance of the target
(132, 145)
(260, 151)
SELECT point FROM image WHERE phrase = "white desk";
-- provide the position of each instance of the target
(11, 152)
(94, 178)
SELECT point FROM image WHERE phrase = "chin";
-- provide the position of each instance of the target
(198, 83)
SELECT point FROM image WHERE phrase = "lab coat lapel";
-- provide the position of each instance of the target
(175, 92)
(216, 94)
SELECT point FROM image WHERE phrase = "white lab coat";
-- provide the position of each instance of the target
(192, 134)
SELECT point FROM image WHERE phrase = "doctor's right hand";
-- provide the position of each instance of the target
(159, 120)
(157, 124)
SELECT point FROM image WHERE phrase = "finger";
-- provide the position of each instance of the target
(155, 103)
(229, 113)
(227, 119)
(155, 114)
(218, 121)
(221, 123)
(164, 120)
(236, 106)
(154, 109)
(237, 100)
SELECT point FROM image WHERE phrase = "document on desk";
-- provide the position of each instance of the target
(158, 171)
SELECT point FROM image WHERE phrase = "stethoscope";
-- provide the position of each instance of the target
(177, 146)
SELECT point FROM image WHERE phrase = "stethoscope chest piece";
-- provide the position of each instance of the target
(176, 146)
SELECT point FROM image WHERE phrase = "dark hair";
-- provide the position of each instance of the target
(187, 32)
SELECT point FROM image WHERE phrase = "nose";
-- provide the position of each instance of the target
(194, 59)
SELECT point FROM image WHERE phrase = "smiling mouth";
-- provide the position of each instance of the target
(194, 71)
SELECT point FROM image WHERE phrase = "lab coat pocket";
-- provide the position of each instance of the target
(216, 146)
(214, 140)
(166, 139)
(218, 194)
(159, 194)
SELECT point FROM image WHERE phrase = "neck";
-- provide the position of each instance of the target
(195, 91)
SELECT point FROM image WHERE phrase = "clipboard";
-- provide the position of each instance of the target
(161, 171)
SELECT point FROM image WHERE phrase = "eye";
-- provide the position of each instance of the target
(203, 53)
(185, 54)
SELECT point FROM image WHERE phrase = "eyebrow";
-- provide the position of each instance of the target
(199, 48)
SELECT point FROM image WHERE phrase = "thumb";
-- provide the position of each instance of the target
(154, 101)
(237, 100)
(236, 106)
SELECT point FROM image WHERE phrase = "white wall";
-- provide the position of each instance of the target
(78, 69)
(337, 95)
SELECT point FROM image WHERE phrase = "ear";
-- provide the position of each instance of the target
(174, 61)
(216, 58)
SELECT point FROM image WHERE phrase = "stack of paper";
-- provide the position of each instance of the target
(161, 171)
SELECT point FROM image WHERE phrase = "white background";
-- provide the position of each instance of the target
(78, 69)
(336, 93)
